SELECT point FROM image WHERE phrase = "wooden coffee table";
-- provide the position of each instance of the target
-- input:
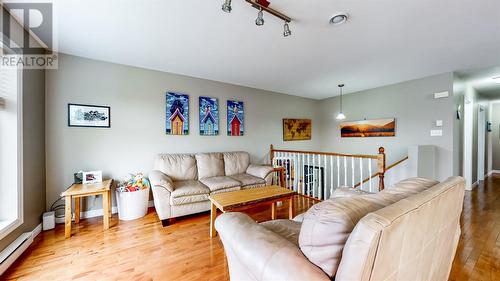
(248, 198)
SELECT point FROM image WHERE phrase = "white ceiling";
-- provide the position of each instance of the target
(482, 81)
(384, 42)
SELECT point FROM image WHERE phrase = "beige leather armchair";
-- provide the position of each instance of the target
(407, 232)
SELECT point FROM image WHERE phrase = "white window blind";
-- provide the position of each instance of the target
(10, 150)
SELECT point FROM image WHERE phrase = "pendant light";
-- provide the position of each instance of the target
(226, 7)
(341, 115)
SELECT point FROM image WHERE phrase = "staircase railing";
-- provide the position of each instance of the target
(317, 174)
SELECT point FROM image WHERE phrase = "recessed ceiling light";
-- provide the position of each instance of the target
(339, 18)
(496, 79)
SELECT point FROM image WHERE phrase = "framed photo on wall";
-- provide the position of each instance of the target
(84, 115)
(297, 129)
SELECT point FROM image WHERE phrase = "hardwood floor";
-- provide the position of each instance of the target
(478, 253)
(144, 250)
(136, 250)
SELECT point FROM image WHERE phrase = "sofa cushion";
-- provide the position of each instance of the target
(410, 186)
(345, 191)
(248, 180)
(210, 165)
(177, 166)
(287, 229)
(236, 162)
(225, 190)
(217, 183)
(260, 171)
(327, 225)
(186, 192)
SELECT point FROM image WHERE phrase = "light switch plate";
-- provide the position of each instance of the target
(439, 123)
(436, 133)
(441, 95)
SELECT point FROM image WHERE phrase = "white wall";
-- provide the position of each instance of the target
(415, 110)
(137, 133)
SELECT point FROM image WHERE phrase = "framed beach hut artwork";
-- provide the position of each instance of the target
(177, 118)
(235, 118)
(209, 116)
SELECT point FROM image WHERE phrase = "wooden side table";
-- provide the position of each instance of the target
(77, 191)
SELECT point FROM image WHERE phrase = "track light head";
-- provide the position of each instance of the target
(226, 7)
(287, 32)
(260, 18)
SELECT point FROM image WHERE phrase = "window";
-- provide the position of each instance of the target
(11, 195)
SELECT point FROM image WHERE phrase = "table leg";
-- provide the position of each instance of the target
(105, 213)
(110, 205)
(77, 209)
(67, 218)
(290, 208)
(213, 216)
(273, 210)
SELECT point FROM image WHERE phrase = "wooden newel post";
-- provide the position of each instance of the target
(271, 154)
(381, 168)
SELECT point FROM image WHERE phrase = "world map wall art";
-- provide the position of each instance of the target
(209, 116)
(369, 128)
(177, 114)
(235, 118)
(297, 129)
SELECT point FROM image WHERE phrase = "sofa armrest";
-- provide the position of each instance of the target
(158, 178)
(260, 171)
(256, 252)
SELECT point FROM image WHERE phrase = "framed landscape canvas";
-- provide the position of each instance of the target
(297, 129)
(369, 128)
(209, 116)
(83, 115)
(235, 118)
(177, 114)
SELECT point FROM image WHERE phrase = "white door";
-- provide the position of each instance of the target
(481, 131)
(468, 131)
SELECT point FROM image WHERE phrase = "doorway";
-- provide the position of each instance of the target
(481, 141)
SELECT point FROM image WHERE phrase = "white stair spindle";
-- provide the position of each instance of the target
(345, 171)
(324, 179)
(295, 177)
(370, 175)
(309, 176)
(331, 174)
(352, 171)
(361, 172)
(314, 175)
(338, 171)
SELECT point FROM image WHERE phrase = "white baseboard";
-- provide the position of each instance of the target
(9, 255)
(97, 213)
(493, 172)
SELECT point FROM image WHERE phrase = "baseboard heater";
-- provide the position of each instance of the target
(9, 255)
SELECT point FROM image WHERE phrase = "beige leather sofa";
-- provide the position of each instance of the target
(407, 232)
(181, 183)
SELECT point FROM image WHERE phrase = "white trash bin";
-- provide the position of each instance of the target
(132, 205)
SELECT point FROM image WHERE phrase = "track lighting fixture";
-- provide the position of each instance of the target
(260, 18)
(341, 115)
(287, 31)
(263, 6)
(226, 7)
